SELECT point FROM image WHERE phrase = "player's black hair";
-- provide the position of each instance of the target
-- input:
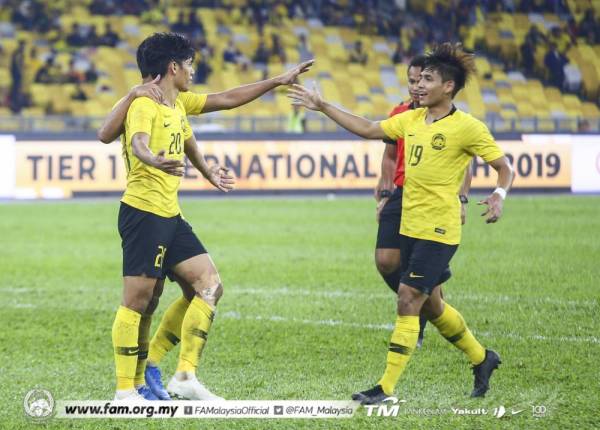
(417, 61)
(156, 52)
(452, 63)
(141, 59)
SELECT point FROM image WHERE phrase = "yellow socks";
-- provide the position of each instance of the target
(168, 333)
(452, 326)
(125, 333)
(194, 332)
(402, 345)
(143, 337)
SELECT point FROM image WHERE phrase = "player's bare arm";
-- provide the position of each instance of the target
(112, 127)
(464, 192)
(386, 179)
(244, 94)
(218, 176)
(139, 146)
(495, 201)
(312, 99)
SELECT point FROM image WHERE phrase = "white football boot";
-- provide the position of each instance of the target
(190, 389)
(129, 396)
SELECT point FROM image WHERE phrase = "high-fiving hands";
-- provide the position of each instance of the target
(302, 96)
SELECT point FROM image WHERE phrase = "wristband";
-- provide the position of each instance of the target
(463, 199)
(501, 192)
(384, 194)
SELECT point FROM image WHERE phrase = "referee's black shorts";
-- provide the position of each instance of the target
(388, 232)
(152, 244)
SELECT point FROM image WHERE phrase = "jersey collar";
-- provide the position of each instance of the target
(447, 115)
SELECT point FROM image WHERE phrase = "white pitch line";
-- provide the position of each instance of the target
(489, 298)
(388, 327)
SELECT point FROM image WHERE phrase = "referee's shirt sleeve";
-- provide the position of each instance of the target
(140, 116)
(393, 127)
(482, 143)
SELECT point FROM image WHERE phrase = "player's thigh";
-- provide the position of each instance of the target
(145, 239)
(138, 292)
(389, 241)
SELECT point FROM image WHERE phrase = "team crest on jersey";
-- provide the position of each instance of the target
(438, 141)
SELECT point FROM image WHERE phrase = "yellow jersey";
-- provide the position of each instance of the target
(436, 157)
(192, 104)
(150, 189)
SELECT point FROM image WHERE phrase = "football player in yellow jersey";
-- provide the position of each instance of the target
(439, 143)
(168, 333)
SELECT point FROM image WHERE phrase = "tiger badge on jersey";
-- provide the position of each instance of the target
(438, 141)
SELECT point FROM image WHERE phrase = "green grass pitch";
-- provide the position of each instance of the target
(306, 316)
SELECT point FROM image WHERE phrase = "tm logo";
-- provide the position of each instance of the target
(385, 410)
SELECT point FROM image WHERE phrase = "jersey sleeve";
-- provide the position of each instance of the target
(140, 116)
(187, 130)
(394, 127)
(193, 103)
(482, 143)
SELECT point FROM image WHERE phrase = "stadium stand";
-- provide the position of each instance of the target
(538, 60)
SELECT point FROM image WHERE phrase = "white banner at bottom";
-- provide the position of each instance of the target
(207, 409)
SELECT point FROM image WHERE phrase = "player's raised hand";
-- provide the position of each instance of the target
(168, 165)
(220, 178)
(150, 90)
(494, 203)
(301, 96)
(291, 75)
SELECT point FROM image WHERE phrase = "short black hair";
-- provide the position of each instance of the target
(452, 63)
(417, 61)
(156, 52)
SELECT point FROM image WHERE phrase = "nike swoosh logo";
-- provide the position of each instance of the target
(517, 412)
(411, 135)
(166, 125)
(412, 275)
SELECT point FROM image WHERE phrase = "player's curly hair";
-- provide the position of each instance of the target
(452, 62)
(156, 52)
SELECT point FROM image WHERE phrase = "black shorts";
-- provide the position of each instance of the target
(388, 233)
(426, 263)
(152, 244)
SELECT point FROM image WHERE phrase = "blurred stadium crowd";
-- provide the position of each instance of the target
(538, 60)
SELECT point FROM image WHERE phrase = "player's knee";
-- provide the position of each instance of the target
(138, 302)
(386, 263)
(212, 294)
(409, 302)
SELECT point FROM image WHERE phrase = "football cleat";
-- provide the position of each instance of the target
(483, 372)
(146, 393)
(154, 381)
(370, 397)
(128, 396)
(190, 389)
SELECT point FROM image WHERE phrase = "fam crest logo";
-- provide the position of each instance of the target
(39, 405)
(438, 141)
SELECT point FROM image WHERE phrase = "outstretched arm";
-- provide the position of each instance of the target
(113, 125)
(246, 93)
(495, 201)
(218, 176)
(358, 125)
